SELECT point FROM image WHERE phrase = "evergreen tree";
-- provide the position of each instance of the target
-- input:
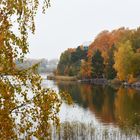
(97, 65)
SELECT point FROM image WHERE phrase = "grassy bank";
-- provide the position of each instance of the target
(62, 78)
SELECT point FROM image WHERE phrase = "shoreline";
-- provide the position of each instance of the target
(62, 78)
(97, 81)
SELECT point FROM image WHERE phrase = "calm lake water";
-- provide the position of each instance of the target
(103, 106)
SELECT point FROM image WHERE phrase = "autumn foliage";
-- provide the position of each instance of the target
(112, 54)
(22, 116)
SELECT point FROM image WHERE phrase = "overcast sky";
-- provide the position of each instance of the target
(69, 23)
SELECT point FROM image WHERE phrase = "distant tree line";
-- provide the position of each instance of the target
(114, 54)
(44, 65)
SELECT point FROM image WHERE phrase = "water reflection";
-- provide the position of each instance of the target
(103, 105)
(127, 107)
(110, 106)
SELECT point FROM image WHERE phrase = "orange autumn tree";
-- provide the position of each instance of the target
(85, 70)
(106, 42)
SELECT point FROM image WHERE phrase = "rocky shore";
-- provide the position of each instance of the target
(135, 85)
(98, 81)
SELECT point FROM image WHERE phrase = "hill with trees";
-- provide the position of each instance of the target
(112, 54)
